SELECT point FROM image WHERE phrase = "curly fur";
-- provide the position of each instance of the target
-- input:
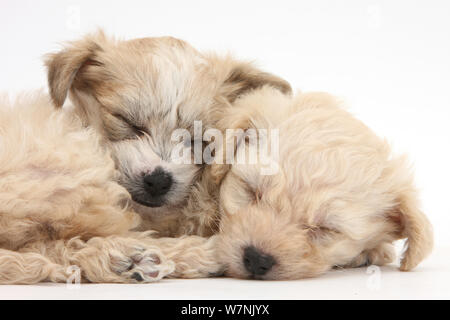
(68, 176)
(340, 198)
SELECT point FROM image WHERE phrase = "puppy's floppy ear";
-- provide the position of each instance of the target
(230, 119)
(64, 66)
(238, 77)
(415, 227)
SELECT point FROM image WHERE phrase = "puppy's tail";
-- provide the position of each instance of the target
(28, 268)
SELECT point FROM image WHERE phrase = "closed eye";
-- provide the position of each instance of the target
(138, 130)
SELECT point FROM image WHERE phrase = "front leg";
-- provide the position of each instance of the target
(113, 259)
(122, 260)
(381, 255)
(193, 256)
(132, 258)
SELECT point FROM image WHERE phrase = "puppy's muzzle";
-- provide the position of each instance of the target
(158, 183)
(256, 262)
(153, 188)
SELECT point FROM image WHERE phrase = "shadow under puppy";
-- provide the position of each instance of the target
(72, 180)
(338, 198)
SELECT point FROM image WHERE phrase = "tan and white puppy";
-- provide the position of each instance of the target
(136, 94)
(339, 197)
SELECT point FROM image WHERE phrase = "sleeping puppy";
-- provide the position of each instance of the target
(72, 179)
(338, 197)
(135, 94)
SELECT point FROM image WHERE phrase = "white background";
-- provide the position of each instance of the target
(390, 60)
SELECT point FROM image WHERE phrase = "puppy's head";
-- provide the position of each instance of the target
(261, 235)
(336, 198)
(136, 94)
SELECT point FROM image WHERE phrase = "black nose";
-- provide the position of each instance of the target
(158, 182)
(256, 262)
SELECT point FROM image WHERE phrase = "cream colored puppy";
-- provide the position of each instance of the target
(339, 198)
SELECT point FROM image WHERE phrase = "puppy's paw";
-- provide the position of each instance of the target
(219, 272)
(381, 255)
(141, 265)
